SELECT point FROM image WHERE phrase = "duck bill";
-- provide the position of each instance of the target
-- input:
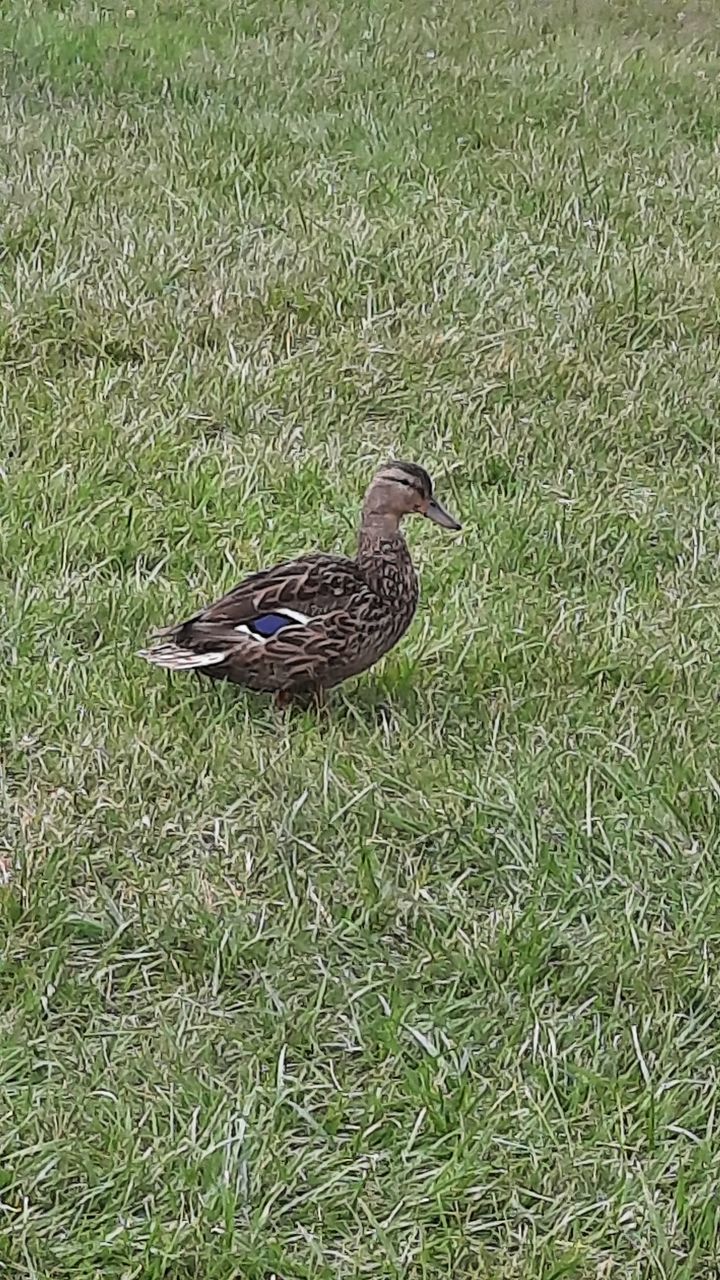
(439, 515)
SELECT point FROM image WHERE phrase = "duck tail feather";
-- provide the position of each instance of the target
(175, 658)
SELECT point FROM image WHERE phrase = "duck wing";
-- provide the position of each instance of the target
(274, 599)
(304, 624)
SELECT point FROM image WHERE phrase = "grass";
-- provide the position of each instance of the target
(428, 989)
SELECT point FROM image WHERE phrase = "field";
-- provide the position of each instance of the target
(427, 988)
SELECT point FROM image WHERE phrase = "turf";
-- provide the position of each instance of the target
(427, 988)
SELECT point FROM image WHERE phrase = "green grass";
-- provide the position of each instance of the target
(428, 989)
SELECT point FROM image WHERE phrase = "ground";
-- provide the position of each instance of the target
(426, 988)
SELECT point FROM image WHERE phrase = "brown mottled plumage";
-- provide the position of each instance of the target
(310, 623)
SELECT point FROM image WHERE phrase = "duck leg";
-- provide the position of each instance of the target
(317, 699)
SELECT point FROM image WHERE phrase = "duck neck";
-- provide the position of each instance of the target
(383, 553)
(378, 527)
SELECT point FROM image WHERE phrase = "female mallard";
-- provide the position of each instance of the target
(308, 624)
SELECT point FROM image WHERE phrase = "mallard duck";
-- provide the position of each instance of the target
(308, 624)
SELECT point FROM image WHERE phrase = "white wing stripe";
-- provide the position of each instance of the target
(292, 615)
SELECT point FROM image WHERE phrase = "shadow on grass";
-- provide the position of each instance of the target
(370, 704)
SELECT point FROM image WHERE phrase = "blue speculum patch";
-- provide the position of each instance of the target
(268, 624)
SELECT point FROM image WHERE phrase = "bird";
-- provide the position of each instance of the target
(308, 624)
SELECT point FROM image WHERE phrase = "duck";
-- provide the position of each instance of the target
(308, 624)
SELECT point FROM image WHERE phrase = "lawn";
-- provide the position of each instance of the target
(427, 988)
